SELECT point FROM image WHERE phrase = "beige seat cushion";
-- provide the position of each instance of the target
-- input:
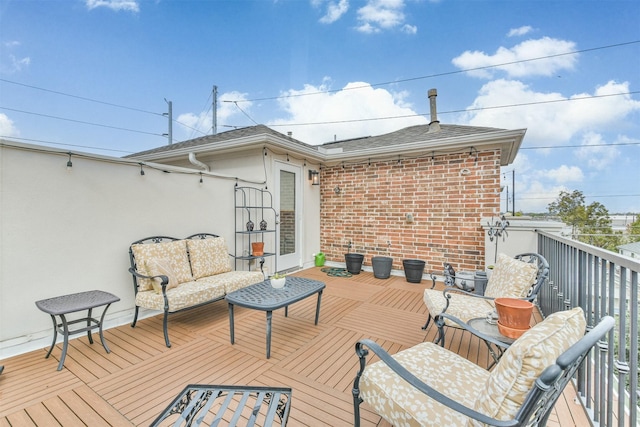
(463, 307)
(234, 280)
(523, 362)
(208, 257)
(175, 251)
(402, 405)
(511, 278)
(161, 266)
(185, 295)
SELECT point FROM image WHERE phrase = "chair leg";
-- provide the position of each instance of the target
(356, 408)
(362, 353)
(440, 324)
(426, 325)
(135, 317)
(165, 321)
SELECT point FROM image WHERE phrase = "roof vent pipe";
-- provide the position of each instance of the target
(194, 161)
(434, 126)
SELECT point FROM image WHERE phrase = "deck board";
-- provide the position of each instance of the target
(140, 377)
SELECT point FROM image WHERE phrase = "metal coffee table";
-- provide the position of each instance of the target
(203, 404)
(262, 296)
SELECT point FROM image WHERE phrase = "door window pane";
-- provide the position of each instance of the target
(287, 212)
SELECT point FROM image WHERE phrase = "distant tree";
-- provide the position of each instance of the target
(589, 223)
(633, 230)
(569, 207)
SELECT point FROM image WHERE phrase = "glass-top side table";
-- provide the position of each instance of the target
(490, 334)
(490, 329)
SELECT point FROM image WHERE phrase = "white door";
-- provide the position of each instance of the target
(287, 202)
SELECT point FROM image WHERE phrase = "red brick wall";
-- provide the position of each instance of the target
(370, 210)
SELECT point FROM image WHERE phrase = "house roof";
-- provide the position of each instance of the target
(212, 140)
(409, 134)
(631, 247)
(412, 140)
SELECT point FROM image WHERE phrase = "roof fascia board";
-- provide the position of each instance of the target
(239, 144)
(508, 141)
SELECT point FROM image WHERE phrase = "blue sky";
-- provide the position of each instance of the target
(95, 75)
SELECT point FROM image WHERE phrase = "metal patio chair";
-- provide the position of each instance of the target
(519, 277)
(429, 385)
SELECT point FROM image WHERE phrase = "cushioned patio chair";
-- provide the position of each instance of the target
(429, 385)
(517, 277)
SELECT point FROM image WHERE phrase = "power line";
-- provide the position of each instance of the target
(9, 137)
(201, 116)
(80, 121)
(524, 104)
(243, 112)
(447, 73)
(81, 97)
(586, 197)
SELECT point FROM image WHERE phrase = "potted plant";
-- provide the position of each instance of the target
(278, 280)
(354, 262)
(381, 266)
(413, 270)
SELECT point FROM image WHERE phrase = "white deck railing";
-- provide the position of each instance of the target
(602, 283)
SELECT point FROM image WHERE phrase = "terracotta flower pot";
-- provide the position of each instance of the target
(514, 316)
(257, 248)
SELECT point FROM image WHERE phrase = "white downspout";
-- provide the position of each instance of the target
(194, 161)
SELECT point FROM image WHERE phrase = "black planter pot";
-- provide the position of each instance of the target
(354, 262)
(413, 270)
(381, 266)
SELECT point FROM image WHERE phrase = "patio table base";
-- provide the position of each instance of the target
(210, 404)
(66, 304)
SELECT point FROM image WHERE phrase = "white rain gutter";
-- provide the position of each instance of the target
(196, 162)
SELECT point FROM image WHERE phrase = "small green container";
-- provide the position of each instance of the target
(319, 259)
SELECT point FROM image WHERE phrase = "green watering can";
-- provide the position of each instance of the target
(319, 259)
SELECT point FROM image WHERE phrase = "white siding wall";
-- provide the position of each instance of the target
(69, 231)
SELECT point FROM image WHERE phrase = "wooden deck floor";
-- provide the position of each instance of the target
(132, 384)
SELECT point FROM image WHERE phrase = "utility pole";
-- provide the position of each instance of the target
(214, 112)
(513, 192)
(170, 116)
(507, 200)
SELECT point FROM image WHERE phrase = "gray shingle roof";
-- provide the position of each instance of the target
(408, 135)
(219, 137)
(633, 247)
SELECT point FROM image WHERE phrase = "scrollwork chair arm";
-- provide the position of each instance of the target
(164, 279)
(415, 382)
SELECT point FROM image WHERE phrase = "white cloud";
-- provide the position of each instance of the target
(335, 9)
(534, 196)
(116, 5)
(196, 125)
(342, 110)
(595, 152)
(549, 117)
(409, 29)
(379, 15)
(7, 128)
(516, 32)
(563, 174)
(16, 64)
(510, 60)
(9, 63)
